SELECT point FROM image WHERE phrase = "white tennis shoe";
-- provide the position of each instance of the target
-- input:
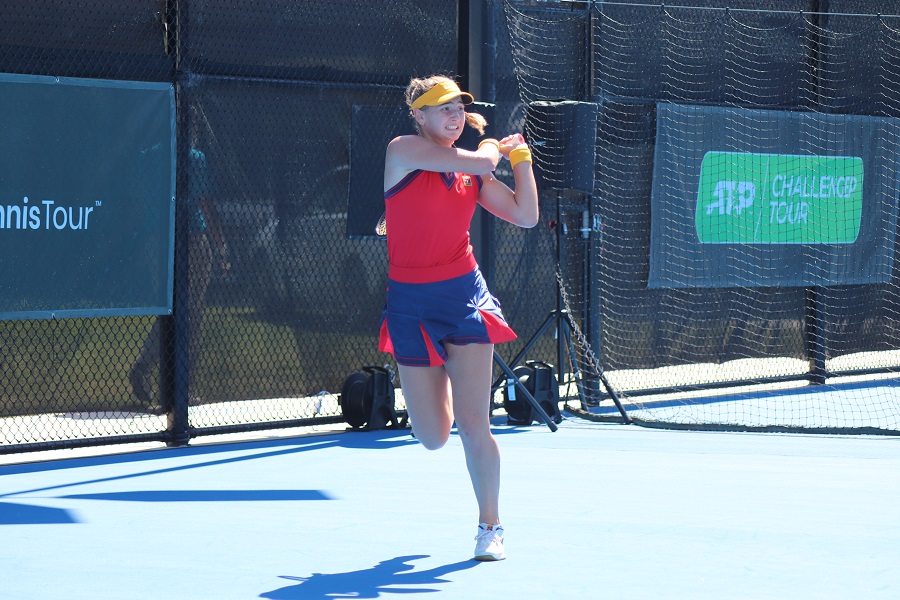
(489, 542)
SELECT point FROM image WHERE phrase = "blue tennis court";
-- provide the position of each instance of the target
(594, 510)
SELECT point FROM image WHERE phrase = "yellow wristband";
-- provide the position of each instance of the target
(519, 155)
(489, 141)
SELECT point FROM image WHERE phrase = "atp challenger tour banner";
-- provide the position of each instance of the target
(772, 198)
(87, 190)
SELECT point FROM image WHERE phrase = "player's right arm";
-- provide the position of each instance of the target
(409, 153)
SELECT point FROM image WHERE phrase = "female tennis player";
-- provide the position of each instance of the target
(440, 321)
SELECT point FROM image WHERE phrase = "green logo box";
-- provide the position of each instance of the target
(747, 198)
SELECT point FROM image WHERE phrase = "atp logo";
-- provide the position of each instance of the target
(732, 197)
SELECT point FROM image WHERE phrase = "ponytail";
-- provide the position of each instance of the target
(476, 122)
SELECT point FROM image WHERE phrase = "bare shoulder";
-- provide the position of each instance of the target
(397, 159)
(406, 144)
(399, 148)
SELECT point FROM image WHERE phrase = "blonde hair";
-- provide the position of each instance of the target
(418, 86)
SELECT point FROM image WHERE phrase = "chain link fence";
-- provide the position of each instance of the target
(277, 298)
(275, 305)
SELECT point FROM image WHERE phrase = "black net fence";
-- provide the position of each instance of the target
(275, 305)
(674, 301)
(282, 109)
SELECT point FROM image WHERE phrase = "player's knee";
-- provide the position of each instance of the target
(436, 445)
(473, 426)
(433, 438)
(432, 442)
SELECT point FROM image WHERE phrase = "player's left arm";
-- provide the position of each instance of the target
(518, 206)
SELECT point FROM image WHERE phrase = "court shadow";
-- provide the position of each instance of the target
(205, 496)
(363, 440)
(27, 514)
(393, 576)
(215, 455)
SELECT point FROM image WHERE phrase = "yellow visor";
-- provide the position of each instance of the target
(443, 91)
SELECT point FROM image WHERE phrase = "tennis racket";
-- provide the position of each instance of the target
(381, 227)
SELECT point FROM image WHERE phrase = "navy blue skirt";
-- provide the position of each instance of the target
(420, 318)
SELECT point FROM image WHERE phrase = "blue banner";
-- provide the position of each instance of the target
(87, 197)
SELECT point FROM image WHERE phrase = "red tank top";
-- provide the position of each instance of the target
(428, 216)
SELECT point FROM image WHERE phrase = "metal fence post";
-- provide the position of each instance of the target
(815, 336)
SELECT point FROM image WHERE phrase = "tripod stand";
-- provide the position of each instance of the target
(565, 348)
(513, 379)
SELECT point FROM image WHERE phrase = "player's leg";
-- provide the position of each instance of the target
(426, 391)
(470, 370)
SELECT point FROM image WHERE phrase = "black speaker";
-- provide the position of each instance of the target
(540, 381)
(367, 400)
(562, 136)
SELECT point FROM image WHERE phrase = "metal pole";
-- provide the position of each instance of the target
(815, 337)
(175, 366)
